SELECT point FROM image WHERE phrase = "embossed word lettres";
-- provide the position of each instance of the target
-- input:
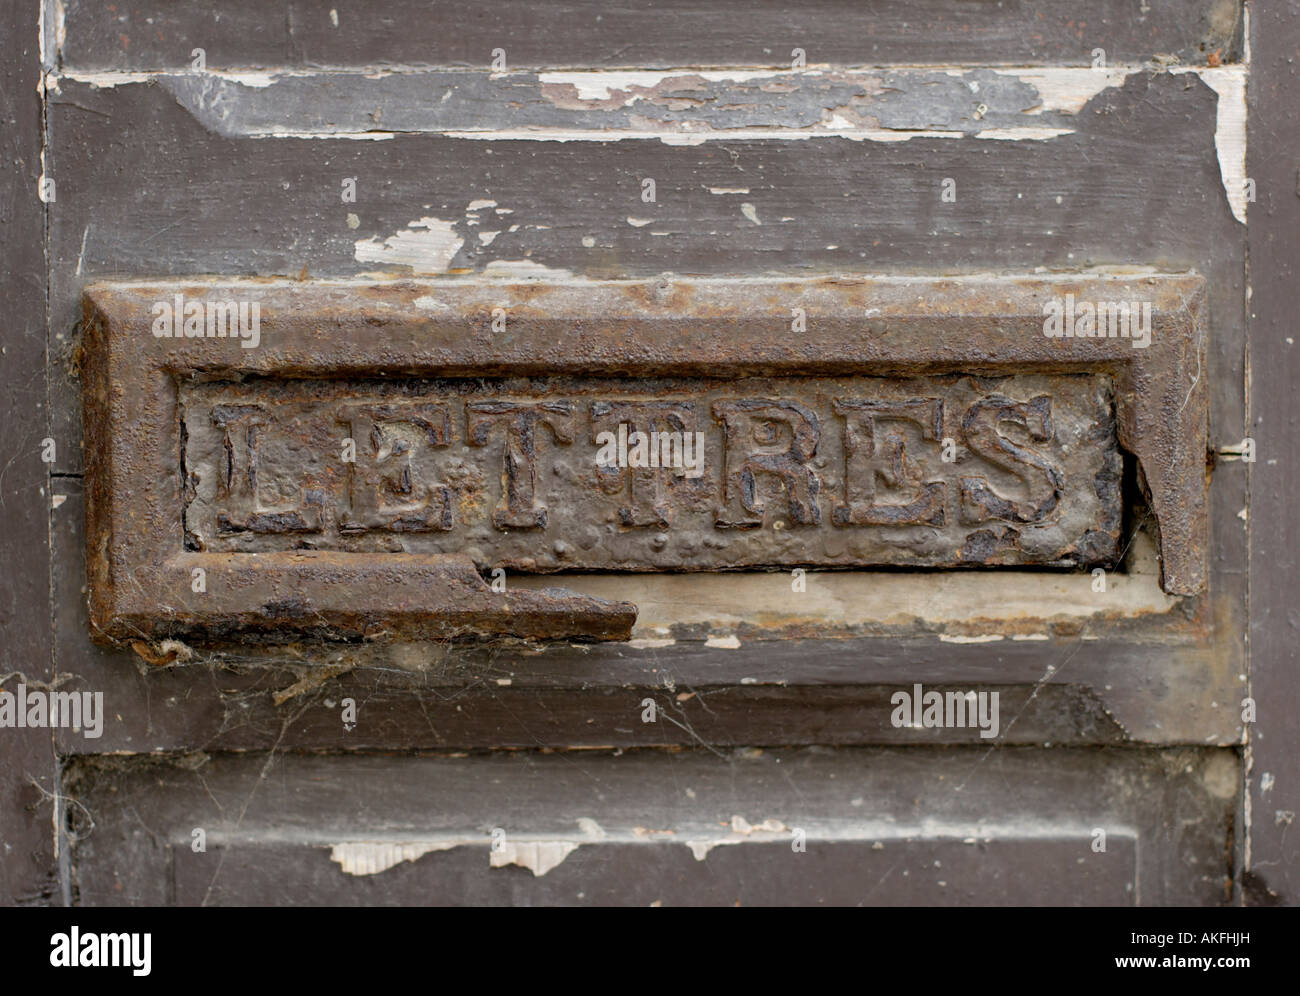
(384, 445)
(951, 469)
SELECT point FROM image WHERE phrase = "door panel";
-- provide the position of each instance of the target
(396, 157)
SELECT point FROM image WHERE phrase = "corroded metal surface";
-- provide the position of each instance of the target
(827, 404)
(628, 474)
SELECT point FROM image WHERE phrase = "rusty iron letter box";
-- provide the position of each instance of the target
(351, 458)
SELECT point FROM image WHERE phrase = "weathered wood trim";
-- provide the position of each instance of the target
(29, 788)
(1272, 871)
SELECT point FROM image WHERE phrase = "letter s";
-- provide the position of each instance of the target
(979, 502)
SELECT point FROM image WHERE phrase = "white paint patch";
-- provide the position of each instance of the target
(427, 303)
(486, 238)
(600, 86)
(538, 856)
(258, 79)
(373, 857)
(523, 268)
(741, 831)
(988, 638)
(639, 222)
(1266, 782)
(41, 181)
(1030, 636)
(1023, 134)
(728, 190)
(348, 136)
(1066, 89)
(1229, 83)
(251, 78)
(480, 205)
(723, 642)
(428, 246)
(692, 138)
(650, 643)
(51, 46)
(750, 212)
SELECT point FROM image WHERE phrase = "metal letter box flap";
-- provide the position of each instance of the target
(348, 458)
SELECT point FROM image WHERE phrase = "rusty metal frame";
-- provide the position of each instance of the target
(139, 572)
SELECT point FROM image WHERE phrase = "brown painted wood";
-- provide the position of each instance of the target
(149, 34)
(1107, 680)
(1009, 220)
(1273, 871)
(28, 777)
(826, 205)
(880, 827)
(153, 182)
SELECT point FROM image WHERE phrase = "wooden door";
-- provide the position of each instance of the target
(832, 239)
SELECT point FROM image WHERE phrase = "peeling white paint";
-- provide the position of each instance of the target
(429, 303)
(347, 136)
(741, 831)
(597, 85)
(486, 238)
(538, 856)
(1056, 90)
(985, 638)
(107, 80)
(650, 643)
(1066, 89)
(750, 212)
(1023, 134)
(428, 245)
(696, 137)
(723, 642)
(639, 222)
(50, 47)
(523, 268)
(480, 205)
(372, 857)
(728, 190)
(41, 180)
(1229, 83)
